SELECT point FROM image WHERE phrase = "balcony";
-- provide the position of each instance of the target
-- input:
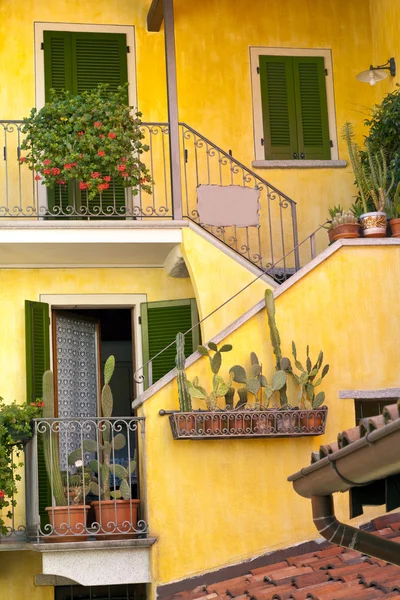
(83, 501)
(263, 241)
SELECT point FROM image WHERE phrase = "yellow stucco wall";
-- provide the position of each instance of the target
(218, 502)
(385, 15)
(217, 277)
(213, 69)
(17, 576)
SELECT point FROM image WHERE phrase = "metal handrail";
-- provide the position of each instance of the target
(311, 238)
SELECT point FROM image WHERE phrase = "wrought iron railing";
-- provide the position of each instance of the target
(95, 461)
(251, 423)
(203, 162)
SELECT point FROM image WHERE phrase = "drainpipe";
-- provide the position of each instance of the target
(173, 121)
(344, 535)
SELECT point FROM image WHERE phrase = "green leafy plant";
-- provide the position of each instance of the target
(220, 387)
(307, 379)
(15, 424)
(256, 384)
(93, 138)
(105, 468)
(394, 206)
(372, 177)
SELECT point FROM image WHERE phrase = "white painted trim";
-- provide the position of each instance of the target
(76, 301)
(90, 236)
(382, 394)
(222, 335)
(255, 53)
(299, 164)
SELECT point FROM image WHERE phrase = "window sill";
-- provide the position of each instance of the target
(299, 164)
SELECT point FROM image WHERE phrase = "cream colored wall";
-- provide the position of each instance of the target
(217, 502)
(213, 68)
(216, 278)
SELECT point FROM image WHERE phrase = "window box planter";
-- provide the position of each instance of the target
(268, 423)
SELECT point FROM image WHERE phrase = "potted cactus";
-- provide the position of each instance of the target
(64, 517)
(394, 213)
(343, 224)
(218, 421)
(185, 422)
(116, 511)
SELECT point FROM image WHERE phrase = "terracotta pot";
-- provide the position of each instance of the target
(68, 519)
(344, 231)
(116, 517)
(261, 423)
(311, 422)
(374, 224)
(395, 227)
(186, 424)
(215, 423)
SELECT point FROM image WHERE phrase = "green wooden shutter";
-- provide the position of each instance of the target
(37, 336)
(278, 107)
(77, 62)
(311, 108)
(161, 321)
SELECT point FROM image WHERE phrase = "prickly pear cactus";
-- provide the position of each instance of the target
(185, 401)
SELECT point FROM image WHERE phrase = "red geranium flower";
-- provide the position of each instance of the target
(98, 123)
(47, 171)
(2, 494)
(95, 175)
(67, 166)
(83, 186)
(101, 153)
(60, 181)
(125, 174)
(81, 132)
(73, 164)
(22, 159)
(37, 178)
(123, 159)
(47, 161)
(101, 135)
(121, 168)
(106, 178)
(112, 135)
(55, 171)
(103, 186)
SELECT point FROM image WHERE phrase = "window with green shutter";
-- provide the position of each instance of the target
(37, 336)
(161, 321)
(294, 108)
(76, 61)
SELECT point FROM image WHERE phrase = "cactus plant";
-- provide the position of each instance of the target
(256, 381)
(282, 363)
(50, 443)
(220, 387)
(307, 379)
(185, 401)
(105, 469)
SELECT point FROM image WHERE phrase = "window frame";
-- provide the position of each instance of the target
(326, 54)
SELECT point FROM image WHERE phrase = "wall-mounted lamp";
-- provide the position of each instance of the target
(375, 74)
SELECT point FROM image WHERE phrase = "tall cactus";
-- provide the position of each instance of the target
(50, 443)
(185, 401)
(281, 363)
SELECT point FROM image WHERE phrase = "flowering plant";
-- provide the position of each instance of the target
(15, 423)
(93, 138)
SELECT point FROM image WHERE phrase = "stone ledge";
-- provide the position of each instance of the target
(95, 545)
(381, 394)
(299, 164)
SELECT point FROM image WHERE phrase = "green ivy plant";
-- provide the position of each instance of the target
(15, 423)
(93, 139)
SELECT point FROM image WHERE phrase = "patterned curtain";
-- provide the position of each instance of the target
(77, 379)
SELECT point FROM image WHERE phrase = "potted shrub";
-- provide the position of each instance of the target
(394, 213)
(64, 517)
(374, 184)
(343, 224)
(15, 430)
(116, 511)
(92, 140)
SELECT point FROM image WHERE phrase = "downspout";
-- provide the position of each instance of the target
(350, 537)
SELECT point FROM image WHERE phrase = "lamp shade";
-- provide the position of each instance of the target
(372, 76)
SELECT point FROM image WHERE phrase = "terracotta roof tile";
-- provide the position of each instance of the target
(333, 573)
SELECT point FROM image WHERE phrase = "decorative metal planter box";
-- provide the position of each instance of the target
(268, 423)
